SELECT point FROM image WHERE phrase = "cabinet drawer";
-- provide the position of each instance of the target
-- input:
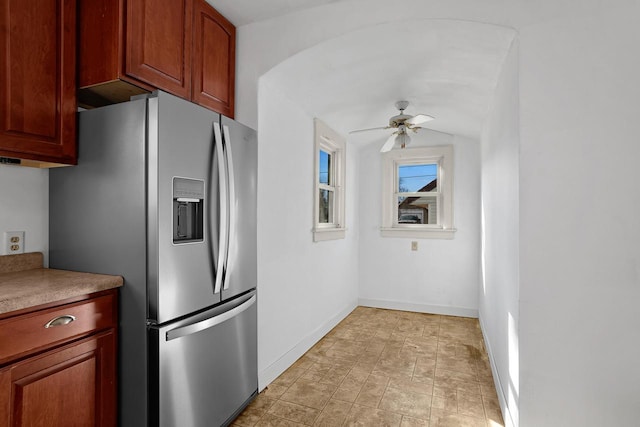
(35, 331)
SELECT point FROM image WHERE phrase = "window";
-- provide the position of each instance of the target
(329, 183)
(417, 193)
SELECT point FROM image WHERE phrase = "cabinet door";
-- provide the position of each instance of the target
(158, 44)
(214, 57)
(38, 78)
(70, 386)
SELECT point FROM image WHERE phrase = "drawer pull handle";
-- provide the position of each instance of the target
(60, 320)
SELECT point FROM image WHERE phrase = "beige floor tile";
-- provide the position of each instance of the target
(470, 406)
(274, 390)
(375, 346)
(465, 366)
(463, 386)
(365, 416)
(256, 410)
(427, 346)
(396, 367)
(324, 344)
(385, 368)
(489, 391)
(422, 387)
(372, 391)
(339, 354)
(445, 419)
(431, 330)
(413, 422)
(322, 367)
(355, 379)
(346, 334)
(334, 414)
(347, 394)
(406, 402)
(303, 363)
(290, 376)
(449, 375)
(369, 358)
(348, 346)
(383, 334)
(365, 366)
(335, 375)
(270, 420)
(445, 400)
(492, 411)
(294, 412)
(311, 375)
(307, 393)
(425, 369)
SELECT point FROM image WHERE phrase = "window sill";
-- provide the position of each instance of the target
(424, 233)
(322, 234)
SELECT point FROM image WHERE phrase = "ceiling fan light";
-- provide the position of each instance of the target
(402, 140)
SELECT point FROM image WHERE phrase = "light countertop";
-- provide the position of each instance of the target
(24, 283)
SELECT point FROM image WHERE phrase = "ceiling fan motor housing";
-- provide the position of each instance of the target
(396, 121)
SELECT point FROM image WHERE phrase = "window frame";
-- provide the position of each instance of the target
(391, 161)
(328, 140)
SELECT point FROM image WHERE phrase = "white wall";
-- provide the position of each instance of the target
(498, 293)
(580, 269)
(24, 205)
(305, 288)
(579, 274)
(442, 275)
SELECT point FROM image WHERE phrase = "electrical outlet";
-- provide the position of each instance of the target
(13, 242)
(414, 246)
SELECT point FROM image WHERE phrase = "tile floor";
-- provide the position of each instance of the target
(385, 368)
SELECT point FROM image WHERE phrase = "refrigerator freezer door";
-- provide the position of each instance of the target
(207, 365)
(181, 272)
(241, 151)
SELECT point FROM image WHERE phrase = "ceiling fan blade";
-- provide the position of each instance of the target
(389, 144)
(367, 130)
(418, 119)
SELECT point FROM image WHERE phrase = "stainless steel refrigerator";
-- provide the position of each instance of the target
(164, 195)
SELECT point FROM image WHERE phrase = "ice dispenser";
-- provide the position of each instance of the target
(188, 204)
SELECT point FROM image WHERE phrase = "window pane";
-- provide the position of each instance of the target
(325, 168)
(418, 210)
(417, 178)
(326, 207)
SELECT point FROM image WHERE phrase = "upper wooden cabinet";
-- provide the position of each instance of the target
(158, 44)
(38, 78)
(214, 52)
(183, 47)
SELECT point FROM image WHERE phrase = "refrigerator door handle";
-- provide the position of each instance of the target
(224, 202)
(231, 197)
(210, 322)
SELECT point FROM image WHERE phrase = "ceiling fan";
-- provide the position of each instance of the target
(403, 123)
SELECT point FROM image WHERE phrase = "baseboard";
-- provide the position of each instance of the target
(273, 371)
(420, 308)
(506, 414)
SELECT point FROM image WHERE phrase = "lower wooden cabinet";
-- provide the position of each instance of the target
(72, 383)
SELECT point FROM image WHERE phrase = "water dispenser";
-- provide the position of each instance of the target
(188, 206)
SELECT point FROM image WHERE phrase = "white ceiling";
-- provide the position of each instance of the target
(445, 68)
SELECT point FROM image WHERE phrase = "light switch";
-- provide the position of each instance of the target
(414, 246)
